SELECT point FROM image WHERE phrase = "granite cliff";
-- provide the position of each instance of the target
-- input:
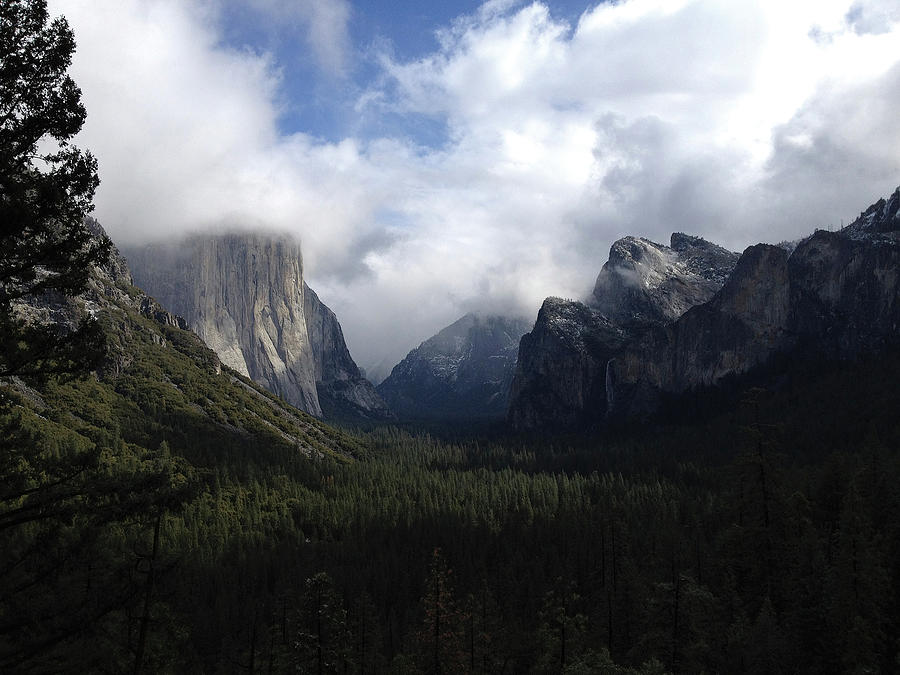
(648, 283)
(561, 377)
(654, 330)
(244, 295)
(462, 372)
(832, 296)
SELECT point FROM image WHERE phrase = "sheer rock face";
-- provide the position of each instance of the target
(465, 371)
(244, 295)
(742, 326)
(560, 374)
(834, 294)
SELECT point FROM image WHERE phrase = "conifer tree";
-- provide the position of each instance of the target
(46, 190)
(69, 502)
(440, 637)
(323, 643)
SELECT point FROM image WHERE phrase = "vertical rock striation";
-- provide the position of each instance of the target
(244, 295)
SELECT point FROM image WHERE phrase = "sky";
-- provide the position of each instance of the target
(440, 158)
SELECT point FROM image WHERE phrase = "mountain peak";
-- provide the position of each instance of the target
(644, 281)
(464, 370)
(669, 319)
(882, 217)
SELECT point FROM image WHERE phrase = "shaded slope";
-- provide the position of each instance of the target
(561, 380)
(163, 438)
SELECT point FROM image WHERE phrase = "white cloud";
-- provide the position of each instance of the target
(738, 120)
(873, 16)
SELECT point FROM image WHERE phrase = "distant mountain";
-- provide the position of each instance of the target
(245, 296)
(667, 320)
(464, 371)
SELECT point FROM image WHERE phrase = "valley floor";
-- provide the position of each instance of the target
(761, 539)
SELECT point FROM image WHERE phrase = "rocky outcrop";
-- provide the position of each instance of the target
(560, 374)
(832, 295)
(646, 282)
(844, 289)
(465, 371)
(109, 294)
(563, 378)
(244, 295)
(880, 218)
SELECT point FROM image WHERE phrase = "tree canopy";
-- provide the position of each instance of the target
(47, 185)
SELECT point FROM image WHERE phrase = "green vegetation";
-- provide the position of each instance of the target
(92, 468)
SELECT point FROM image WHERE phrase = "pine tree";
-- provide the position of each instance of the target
(440, 638)
(367, 636)
(46, 190)
(562, 627)
(323, 642)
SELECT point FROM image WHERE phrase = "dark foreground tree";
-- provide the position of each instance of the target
(46, 190)
(71, 507)
(440, 636)
(323, 643)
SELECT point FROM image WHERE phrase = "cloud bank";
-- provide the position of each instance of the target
(740, 121)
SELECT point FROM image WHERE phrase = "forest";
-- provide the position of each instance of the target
(760, 539)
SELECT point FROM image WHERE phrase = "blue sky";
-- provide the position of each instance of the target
(319, 99)
(439, 158)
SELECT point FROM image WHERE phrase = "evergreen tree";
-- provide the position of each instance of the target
(323, 642)
(46, 190)
(71, 503)
(562, 627)
(440, 638)
(367, 637)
